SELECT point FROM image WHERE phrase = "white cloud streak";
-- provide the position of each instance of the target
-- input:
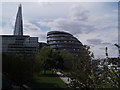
(87, 21)
(34, 31)
(91, 29)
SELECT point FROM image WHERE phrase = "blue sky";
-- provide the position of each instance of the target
(93, 23)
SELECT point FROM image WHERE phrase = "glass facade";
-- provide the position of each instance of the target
(12, 44)
(64, 41)
(18, 30)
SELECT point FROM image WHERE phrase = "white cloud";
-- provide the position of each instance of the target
(86, 21)
(7, 28)
(34, 31)
(76, 22)
(101, 27)
(78, 13)
(80, 20)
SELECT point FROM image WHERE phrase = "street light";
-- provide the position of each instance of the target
(106, 52)
(118, 46)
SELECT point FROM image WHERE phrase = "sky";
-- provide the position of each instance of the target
(94, 23)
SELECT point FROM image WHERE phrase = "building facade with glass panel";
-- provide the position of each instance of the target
(63, 41)
(13, 44)
(19, 43)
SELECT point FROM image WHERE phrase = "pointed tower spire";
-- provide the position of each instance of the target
(18, 30)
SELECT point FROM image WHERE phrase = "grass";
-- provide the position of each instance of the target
(67, 73)
(48, 80)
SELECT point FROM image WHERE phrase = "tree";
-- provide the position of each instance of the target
(68, 59)
(57, 60)
(18, 68)
(94, 75)
(83, 70)
(111, 69)
(48, 59)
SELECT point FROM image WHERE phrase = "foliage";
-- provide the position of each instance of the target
(58, 61)
(42, 58)
(83, 71)
(87, 74)
(18, 68)
(68, 59)
(112, 70)
(48, 59)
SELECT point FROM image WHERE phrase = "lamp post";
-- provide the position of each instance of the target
(118, 46)
(106, 50)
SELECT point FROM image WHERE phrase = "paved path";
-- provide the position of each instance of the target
(65, 79)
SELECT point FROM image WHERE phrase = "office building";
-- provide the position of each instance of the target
(63, 41)
(19, 43)
(12, 44)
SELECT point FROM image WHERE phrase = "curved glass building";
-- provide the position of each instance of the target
(63, 41)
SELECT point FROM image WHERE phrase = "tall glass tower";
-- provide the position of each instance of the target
(18, 30)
